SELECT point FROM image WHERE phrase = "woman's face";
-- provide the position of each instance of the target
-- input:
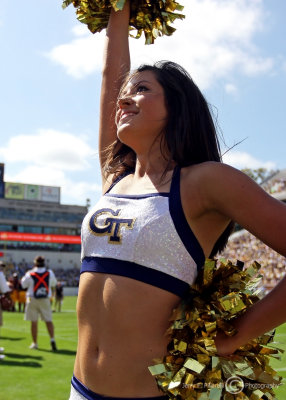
(141, 111)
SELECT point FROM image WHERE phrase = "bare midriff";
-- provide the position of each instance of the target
(122, 327)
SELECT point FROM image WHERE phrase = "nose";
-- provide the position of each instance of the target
(124, 101)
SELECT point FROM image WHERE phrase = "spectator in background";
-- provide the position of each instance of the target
(68, 276)
(18, 294)
(59, 296)
(14, 284)
(39, 283)
(21, 298)
(4, 289)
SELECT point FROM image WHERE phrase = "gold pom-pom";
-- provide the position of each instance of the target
(153, 17)
(192, 370)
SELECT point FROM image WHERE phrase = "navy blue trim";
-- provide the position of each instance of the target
(181, 224)
(118, 179)
(90, 395)
(137, 196)
(135, 271)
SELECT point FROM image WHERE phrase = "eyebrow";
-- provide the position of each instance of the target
(139, 83)
(136, 84)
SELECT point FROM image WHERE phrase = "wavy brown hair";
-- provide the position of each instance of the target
(190, 135)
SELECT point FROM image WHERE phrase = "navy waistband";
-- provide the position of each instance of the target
(135, 271)
(90, 395)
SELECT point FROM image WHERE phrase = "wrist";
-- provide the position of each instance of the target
(225, 345)
(125, 10)
(119, 20)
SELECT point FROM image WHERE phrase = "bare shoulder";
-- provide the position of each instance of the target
(214, 177)
(199, 185)
(210, 170)
(228, 191)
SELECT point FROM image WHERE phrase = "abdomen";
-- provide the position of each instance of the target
(122, 324)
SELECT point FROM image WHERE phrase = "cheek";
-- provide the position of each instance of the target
(159, 110)
(160, 114)
(116, 119)
(164, 112)
(156, 112)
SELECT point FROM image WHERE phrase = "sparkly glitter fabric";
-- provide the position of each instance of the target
(75, 395)
(145, 234)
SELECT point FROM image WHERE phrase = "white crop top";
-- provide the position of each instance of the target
(144, 237)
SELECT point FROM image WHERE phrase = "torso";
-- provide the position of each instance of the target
(121, 334)
(122, 321)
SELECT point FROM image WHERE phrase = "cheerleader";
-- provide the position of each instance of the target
(167, 203)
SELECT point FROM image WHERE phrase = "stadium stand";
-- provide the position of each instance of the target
(33, 221)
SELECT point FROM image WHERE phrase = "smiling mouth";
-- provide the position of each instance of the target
(126, 115)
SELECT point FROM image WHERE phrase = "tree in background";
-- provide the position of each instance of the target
(259, 175)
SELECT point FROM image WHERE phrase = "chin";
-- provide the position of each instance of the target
(124, 134)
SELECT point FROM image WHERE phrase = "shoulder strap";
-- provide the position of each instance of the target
(181, 224)
(117, 179)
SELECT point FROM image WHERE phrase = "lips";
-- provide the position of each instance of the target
(126, 114)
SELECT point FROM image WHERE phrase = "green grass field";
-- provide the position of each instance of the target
(42, 375)
(38, 374)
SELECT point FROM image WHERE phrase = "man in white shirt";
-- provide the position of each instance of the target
(39, 283)
(4, 288)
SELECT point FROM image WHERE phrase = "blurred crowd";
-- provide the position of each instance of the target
(275, 186)
(247, 248)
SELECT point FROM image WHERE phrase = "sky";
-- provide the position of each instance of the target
(235, 50)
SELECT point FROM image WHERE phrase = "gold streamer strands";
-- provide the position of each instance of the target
(153, 17)
(192, 370)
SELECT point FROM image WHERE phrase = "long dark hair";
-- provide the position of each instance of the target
(190, 135)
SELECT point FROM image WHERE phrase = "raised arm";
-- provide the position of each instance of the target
(116, 65)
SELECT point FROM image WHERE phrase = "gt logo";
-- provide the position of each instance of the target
(109, 224)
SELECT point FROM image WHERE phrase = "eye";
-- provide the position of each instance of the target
(141, 88)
